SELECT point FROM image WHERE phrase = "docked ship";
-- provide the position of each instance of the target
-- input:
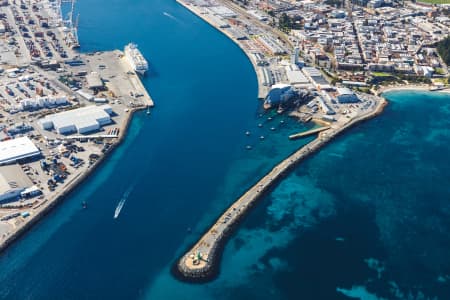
(136, 59)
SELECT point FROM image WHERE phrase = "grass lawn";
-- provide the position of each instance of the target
(439, 71)
(381, 74)
(364, 89)
(441, 80)
(435, 1)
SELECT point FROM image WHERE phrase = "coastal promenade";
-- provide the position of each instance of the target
(202, 260)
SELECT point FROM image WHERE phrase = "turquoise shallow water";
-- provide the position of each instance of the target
(180, 167)
(367, 217)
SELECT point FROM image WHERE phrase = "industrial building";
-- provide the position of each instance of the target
(16, 149)
(345, 95)
(295, 55)
(223, 11)
(43, 102)
(86, 95)
(270, 44)
(323, 105)
(237, 34)
(267, 77)
(13, 182)
(261, 17)
(94, 81)
(295, 76)
(279, 93)
(81, 120)
(316, 77)
(219, 21)
(259, 59)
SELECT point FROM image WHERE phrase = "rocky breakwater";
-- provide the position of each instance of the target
(201, 263)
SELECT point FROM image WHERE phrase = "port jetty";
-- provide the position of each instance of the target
(62, 111)
(201, 262)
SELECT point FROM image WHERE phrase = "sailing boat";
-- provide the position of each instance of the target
(148, 109)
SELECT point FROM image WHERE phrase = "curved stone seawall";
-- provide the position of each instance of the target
(201, 263)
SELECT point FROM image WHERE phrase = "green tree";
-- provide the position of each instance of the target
(285, 22)
(443, 48)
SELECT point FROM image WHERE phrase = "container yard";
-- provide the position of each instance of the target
(61, 111)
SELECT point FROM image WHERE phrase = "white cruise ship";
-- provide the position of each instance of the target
(136, 59)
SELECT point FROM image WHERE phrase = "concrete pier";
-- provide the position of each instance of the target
(201, 262)
(121, 78)
(308, 132)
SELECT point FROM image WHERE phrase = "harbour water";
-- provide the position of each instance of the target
(183, 161)
(368, 215)
(365, 218)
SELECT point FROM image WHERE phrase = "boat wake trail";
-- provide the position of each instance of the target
(122, 202)
(171, 17)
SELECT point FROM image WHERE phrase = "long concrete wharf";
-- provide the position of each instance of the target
(120, 77)
(201, 262)
(308, 132)
(197, 10)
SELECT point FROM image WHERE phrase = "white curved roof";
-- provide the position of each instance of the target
(280, 86)
(15, 149)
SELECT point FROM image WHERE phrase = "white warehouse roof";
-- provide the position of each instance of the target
(12, 181)
(311, 71)
(81, 120)
(223, 11)
(94, 80)
(344, 91)
(296, 77)
(13, 150)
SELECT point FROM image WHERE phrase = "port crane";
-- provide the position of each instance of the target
(70, 23)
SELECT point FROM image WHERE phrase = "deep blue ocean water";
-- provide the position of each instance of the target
(367, 217)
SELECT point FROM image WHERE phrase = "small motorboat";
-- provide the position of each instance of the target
(248, 147)
(261, 137)
(272, 128)
(247, 133)
(84, 204)
(119, 207)
(260, 125)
